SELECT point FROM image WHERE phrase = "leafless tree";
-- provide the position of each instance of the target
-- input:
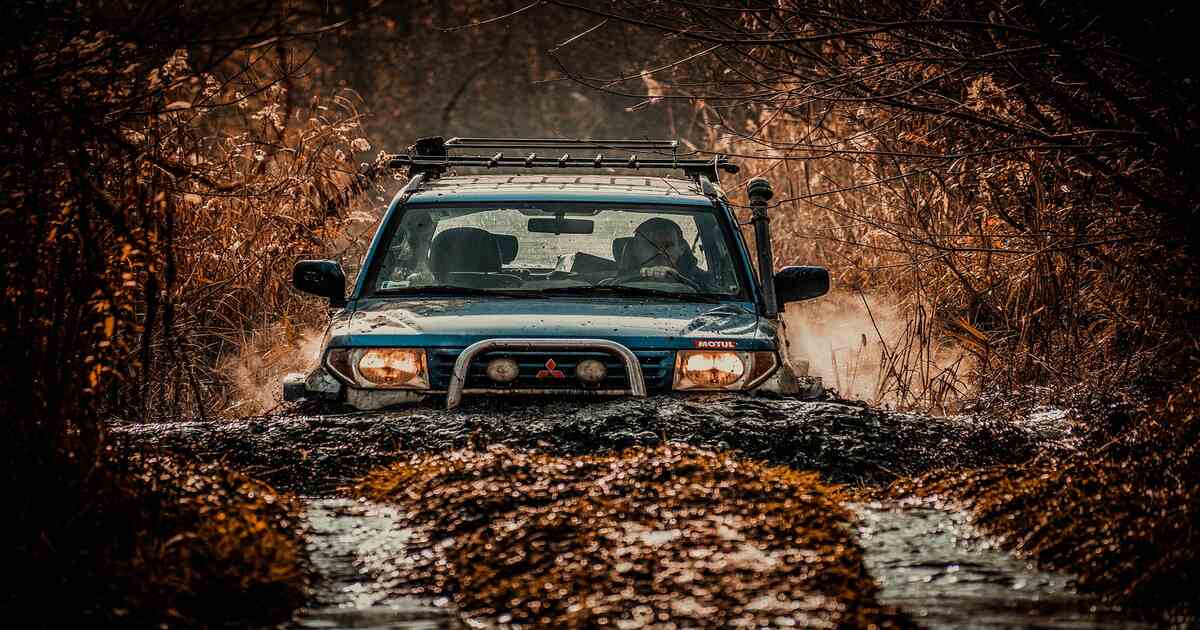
(1023, 167)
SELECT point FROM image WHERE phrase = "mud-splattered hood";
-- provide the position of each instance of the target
(457, 322)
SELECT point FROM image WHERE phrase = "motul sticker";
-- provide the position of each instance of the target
(715, 344)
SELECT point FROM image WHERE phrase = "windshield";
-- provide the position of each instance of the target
(569, 248)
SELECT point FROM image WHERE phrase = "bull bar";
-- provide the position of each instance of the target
(458, 380)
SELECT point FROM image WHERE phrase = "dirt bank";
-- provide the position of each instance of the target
(1123, 515)
(652, 537)
(153, 540)
(846, 443)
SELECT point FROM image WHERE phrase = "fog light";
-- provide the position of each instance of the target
(502, 370)
(591, 371)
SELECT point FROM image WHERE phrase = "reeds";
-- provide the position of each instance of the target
(993, 272)
(151, 200)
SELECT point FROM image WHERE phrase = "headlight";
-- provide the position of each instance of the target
(380, 368)
(722, 370)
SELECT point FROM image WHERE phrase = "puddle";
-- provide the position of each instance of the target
(934, 565)
(929, 562)
(358, 551)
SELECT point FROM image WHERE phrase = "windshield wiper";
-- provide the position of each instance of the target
(625, 290)
(443, 289)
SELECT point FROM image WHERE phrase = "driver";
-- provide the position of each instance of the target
(659, 251)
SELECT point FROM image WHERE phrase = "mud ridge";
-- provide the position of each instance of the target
(317, 453)
(661, 537)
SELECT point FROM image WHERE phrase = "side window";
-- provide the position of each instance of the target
(723, 269)
(691, 234)
(406, 259)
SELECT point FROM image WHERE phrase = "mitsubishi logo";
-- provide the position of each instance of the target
(551, 371)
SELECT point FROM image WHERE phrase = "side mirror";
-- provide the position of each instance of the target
(321, 277)
(794, 284)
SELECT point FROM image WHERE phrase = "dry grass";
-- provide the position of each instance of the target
(645, 538)
(1032, 270)
(234, 253)
(156, 189)
(156, 193)
(871, 348)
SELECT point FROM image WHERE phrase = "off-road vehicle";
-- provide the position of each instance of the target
(577, 275)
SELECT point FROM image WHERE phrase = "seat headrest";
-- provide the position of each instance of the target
(464, 249)
(508, 247)
(659, 230)
(618, 246)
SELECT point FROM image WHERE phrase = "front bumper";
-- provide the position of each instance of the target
(629, 360)
(456, 372)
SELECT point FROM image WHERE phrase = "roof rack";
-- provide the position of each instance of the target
(562, 143)
(432, 156)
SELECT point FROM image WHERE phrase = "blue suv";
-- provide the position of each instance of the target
(587, 278)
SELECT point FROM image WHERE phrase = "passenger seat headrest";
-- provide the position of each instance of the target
(464, 249)
(508, 247)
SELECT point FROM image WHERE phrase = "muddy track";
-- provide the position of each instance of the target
(918, 557)
(316, 453)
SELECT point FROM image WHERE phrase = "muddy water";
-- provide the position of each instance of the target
(928, 561)
(358, 551)
(316, 453)
(932, 564)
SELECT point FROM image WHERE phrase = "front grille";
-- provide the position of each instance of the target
(656, 368)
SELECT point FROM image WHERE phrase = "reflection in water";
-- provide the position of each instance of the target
(358, 551)
(931, 563)
(928, 562)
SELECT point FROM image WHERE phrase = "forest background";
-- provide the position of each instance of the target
(1005, 191)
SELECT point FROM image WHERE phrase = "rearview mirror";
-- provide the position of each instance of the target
(794, 284)
(561, 226)
(321, 277)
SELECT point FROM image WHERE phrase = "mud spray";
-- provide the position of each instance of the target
(258, 367)
(877, 349)
(869, 348)
(267, 354)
